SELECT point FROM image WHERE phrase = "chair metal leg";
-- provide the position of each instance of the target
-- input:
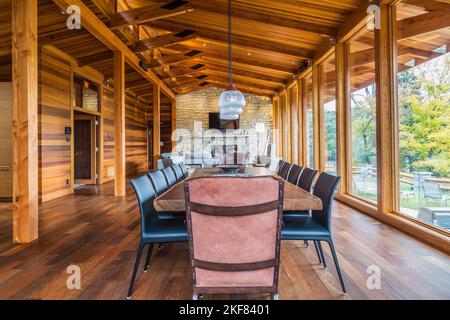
(149, 255)
(305, 242)
(336, 263)
(321, 254)
(317, 251)
(136, 266)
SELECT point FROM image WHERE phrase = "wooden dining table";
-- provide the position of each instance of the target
(295, 198)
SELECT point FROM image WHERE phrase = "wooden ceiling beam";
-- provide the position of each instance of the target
(429, 5)
(238, 40)
(238, 82)
(245, 78)
(164, 40)
(252, 15)
(427, 22)
(177, 58)
(249, 62)
(177, 72)
(148, 13)
(98, 29)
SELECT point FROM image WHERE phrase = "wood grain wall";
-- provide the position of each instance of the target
(54, 116)
(136, 136)
(6, 106)
(107, 173)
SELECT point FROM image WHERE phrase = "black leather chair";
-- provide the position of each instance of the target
(316, 227)
(153, 228)
(170, 176)
(284, 172)
(294, 174)
(178, 172)
(306, 179)
(159, 181)
(280, 166)
(184, 169)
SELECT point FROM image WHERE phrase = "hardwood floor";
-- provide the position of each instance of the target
(100, 233)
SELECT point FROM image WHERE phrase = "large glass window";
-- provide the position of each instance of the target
(309, 121)
(361, 71)
(328, 106)
(294, 121)
(424, 120)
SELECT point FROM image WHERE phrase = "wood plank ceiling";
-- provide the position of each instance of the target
(185, 42)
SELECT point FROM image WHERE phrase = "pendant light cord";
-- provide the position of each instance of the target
(230, 43)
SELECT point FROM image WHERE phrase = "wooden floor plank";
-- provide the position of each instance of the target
(100, 233)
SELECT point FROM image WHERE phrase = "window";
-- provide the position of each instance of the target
(327, 98)
(309, 121)
(294, 122)
(362, 110)
(423, 120)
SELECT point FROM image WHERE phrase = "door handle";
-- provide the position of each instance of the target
(77, 154)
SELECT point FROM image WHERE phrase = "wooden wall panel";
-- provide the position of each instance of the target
(6, 109)
(54, 116)
(107, 173)
(136, 136)
(166, 125)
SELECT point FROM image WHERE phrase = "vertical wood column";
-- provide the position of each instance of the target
(301, 147)
(341, 118)
(156, 125)
(316, 118)
(174, 123)
(304, 129)
(288, 127)
(386, 73)
(275, 125)
(25, 120)
(119, 124)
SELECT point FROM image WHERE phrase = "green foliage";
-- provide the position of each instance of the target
(424, 113)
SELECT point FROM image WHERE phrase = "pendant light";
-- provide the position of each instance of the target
(231, 101)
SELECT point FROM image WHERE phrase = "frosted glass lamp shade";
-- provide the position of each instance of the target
(231, 101)
(229, 115)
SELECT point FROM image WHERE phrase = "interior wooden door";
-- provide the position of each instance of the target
(85, 149)
(5, 141)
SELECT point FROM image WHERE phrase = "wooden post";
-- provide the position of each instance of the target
(300, 112)
(25, 120)
(119, 123)
(341, 120)
(174, 122)
(386, 92)
(156, 125)
(316, 118)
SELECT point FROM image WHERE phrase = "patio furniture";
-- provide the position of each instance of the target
(432, 190)
(154, 229)
(360, 185)
(317, 227)
(234, 227)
